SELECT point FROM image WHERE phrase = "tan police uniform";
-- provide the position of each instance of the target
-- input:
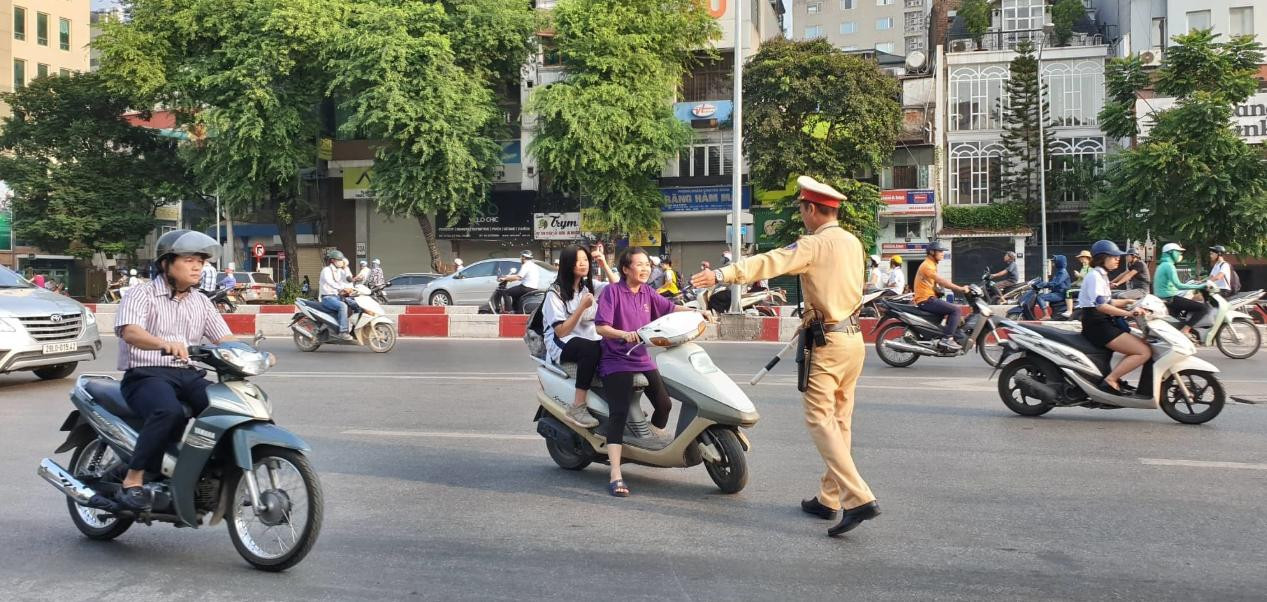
(830, 262)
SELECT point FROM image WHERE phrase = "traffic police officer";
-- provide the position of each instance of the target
(830, 261)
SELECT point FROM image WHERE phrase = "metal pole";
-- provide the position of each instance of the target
(736, 181)
(219, 238)
(1042, 163)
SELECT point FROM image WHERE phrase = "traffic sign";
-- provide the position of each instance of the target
(259, 251)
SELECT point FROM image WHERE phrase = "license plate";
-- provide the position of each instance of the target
(59, 348)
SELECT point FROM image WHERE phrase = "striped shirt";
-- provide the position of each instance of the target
(150, 306)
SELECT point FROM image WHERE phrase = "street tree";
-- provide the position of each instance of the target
(84, 179)
(248, 79)
(811, 109)
(1192, 179)
(1024, 131)
(1064, 16)
(1123, 79)
(976, 18)
(422, 80)
(607, 129)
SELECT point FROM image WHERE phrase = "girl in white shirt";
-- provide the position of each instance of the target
(568, 320)
(1103, 318)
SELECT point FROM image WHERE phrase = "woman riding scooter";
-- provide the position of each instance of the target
(1103, 318)
(1166, 286)
(1057, 287)
(623, 308)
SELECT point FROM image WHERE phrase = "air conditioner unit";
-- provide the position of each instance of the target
(1151, 58)
(960, 45)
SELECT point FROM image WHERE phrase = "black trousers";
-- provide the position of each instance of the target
(156, 393)
(1196, 310)
(620, 396)
(584, 353)
(513, 294)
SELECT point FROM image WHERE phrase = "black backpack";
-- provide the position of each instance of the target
(1235, 280)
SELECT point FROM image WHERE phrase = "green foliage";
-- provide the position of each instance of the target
(1193, 179)
(994, 216)
(290, 292)
(976, 18)
(1074, 180)
(1123, 79)
(1022, 177)
(84, 179)
(606, 130)
(1064, 15)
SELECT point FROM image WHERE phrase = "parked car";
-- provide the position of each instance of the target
(409, 289)
(254, 287)
(476, 282)
(42, 331)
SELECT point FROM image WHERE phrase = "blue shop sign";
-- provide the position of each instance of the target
(702, 198)
(704, 109)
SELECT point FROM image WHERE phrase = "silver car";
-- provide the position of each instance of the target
(409, 289)
(43, 331)
(475, 284)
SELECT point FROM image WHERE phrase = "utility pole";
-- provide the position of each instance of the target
(1042, 163)
(736, 181)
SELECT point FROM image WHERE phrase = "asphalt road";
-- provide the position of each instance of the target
(438, 488)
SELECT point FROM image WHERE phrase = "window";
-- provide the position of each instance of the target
(550, 55)
(883, 24)
(814, 32)
(977, 97)
(480, 270)
(1157, 33)
(1198, 19)
(1066, 155)
(814, 8)
(63, 34)
(63, 73)
(1242, 21)
(1023, 21)
(710, 159)
(19, 23)
(975, 170)
(19, 74)
(41, 29)
(847, 4)
(914, 43)
(41, 70)
(1075, 92)
(885, 47)
(914, 3)
(884, 2)
(906, 228)
(710, 80)
(848, 27)
(914, 21)
(905, 176)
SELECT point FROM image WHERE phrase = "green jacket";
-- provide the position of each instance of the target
(1166, 280)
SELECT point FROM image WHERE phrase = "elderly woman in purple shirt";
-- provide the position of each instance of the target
(623, 308)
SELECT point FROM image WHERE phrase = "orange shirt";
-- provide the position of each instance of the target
(926, 281)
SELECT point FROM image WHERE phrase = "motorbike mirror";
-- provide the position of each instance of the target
(259, 338)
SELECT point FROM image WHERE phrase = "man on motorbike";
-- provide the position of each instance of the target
(895, 280)
(1132, 275)
(156, 324)
(528, 277)
(1220, 270)
(334, 284)
(1010, 274)
(363, 274)
(1166, 286)
(670, 286)
(1058, 286)
(926, 282)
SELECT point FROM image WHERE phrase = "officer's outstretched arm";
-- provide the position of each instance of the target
(792, 259)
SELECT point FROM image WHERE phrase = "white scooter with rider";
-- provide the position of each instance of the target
(346, 315)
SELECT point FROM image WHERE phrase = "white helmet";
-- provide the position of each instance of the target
(376, 261)
(875, 260)
(132, 272)
(1172, 246)
(655, 260)
(457, 261)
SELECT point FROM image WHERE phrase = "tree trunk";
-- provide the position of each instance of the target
(284, 218)
(429, 234)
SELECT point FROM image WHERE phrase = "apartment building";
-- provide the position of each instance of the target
(40, 38)
(890, 26)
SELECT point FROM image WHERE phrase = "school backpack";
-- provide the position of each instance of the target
(534, 334)
(1235, 280)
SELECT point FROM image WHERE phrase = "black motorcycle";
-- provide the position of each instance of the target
(223, 299)
(527, 303)
(233, 464)
(907, 332)
(377, 294)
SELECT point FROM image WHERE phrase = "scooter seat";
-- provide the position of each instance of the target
(914, 311)
(639, 382)
(109, 395)
(1073, 339)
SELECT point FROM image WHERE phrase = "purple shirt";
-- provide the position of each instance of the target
(622, 309)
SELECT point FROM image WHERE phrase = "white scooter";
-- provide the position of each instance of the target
(714, 410)
(1061, 368)
(313, 326)
(1224, 326)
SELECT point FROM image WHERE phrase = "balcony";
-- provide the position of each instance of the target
(959, 41)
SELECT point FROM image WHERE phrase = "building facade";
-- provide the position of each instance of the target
(897, 27)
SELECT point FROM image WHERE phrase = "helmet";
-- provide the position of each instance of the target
(655, 260)
(376, 261)
(178, 243)
(363, 262)
(1106, 247)
(1135, 250)
(335, 254)
(457, 261)
(526, 255)
(896, 259)
(132, 272)
(875, 260)
(935, 246)
(1220, 249)
(1172, 246)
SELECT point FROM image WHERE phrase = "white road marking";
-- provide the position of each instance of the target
(1202, 464)
(442, 435)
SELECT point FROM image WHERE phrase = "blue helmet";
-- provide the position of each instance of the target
(935, 246)
(1106, 247)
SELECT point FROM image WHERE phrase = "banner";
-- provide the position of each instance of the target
(908, 203)
(556, 226)
(507, 216)
(6, 230)
(702, 198)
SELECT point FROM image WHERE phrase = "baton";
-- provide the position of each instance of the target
(775, 360)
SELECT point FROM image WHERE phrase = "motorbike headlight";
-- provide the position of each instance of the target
(250, 363)
(660, 342)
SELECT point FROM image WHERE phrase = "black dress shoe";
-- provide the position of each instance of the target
(854, 517)
(136, 499)
(812, 506)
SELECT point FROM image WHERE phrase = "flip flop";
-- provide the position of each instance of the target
(618, 488)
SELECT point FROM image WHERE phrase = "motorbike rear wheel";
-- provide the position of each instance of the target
(570, 457)
(1246, 331)
(892, 357)
(90, 461)
(291, 492)
(730, 474)
(1207, 392)
(1010, 392)
(305, 343)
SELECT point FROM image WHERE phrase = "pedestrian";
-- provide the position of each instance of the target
(207, 282)
(306, 288)
(829, 260)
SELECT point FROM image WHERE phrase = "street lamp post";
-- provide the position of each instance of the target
(736, 180)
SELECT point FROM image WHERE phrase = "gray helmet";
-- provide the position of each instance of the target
(334, 254)
(936, 246)
(178, 243)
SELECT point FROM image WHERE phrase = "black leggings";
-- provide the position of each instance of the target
(1195, 309)
(620, 396)
(584, 353)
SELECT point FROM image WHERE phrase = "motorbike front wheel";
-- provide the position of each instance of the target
(990, 346)
(1206, 402)
(281, 533)
(730, 473)
(1238, 339)
(896, 331)
(91, 461)
(382, 338)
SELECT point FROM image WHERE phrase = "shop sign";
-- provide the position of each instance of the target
(768, 223)
(909, 203)
(6, 218)
(1249, 118)
(904, 247)
(556, 226)
(712, 109)
(702, 198)
(356, 183)
(507, 216)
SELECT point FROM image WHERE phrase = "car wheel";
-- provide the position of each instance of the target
(441, 298)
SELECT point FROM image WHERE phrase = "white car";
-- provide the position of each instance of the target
(42, 331)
